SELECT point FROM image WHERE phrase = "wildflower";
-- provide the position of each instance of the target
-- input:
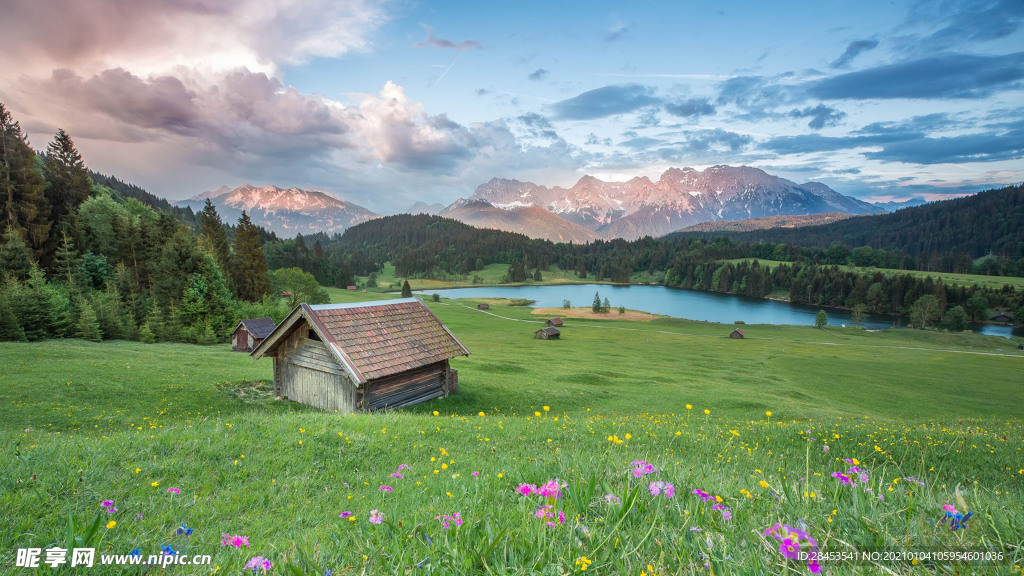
(111, 524)
(111, 510)
(957, 520)
(764, 484)
(436, 413)
(612, 499)
(536, 413)
(582, 562)
(551, 489)
(481, 414)
(825, 448)
(167, 550)
(703, 495)
(642, 468)
(768, 413)
(793, 541)
(183, 531)
(376, 517)
(526, 489)
(237, 541)
(345, 514)
(396, 475)
(689, 406)
(447, 520)
(843, 478)
(154, 484)
(475, 473)
(707, 412)
(173, 491)
(661, 487)
(864, 478)
(135, 552)
(547, 408)
(258, 563)
(384, 489)
(548, 515)
(726, 511)
(107, 503)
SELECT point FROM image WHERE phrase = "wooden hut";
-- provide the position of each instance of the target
(483, 306)
(549, 333)
(362, 356)
(556, 322)
(1001, 318)
(250, 333)
(737, 333)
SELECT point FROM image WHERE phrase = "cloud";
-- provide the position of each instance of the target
(853, 50)
(482, 91)
(692, 108)
(538, 74)
(820, 115)
(954, 149)
(953, 25)
(616, 31)
(939, 77)
(446, 44)
(604, 102)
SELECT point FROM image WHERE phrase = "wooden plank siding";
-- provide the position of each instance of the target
(309, 374)
(409, 387)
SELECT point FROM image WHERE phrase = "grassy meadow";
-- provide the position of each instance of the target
(869, 435)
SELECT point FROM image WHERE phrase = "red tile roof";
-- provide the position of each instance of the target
(386, 337)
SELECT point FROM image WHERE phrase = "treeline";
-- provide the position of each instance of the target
(81, 259)
(944, 236)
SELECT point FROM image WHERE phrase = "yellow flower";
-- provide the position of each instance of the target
(111, 524)
(768, 413)
(436, 413)
(856, 462)
(481, 414)
(154, 484)
(351, 518)
(689, 406)
(706, 411)
(444, 466)
(628, 435)
(137, 470)
(583, 562)
(734, 433)
(547, 408)
(764, 484)
(537, 414)
(449, 494)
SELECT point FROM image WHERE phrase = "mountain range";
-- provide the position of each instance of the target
(639, 207)
(286, 212)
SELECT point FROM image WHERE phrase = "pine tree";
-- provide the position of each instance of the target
(212, 228)
(66, 260)
(15, 258)
(67, 186)
(250, 264)
(10, 329)
(146, 335)
(88, 327)
(596, 306)
(23, 203)
(406, 289)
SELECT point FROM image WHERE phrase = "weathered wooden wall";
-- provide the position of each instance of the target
(309, 374)
(410, 387)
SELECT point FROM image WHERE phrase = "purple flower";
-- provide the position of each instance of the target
(376, 517)
(258, 563)
(526, 489)
(107, 503)
(385, 488)
(111, 510)
(843, 478)
(345, 514)
(612, 499)
(642, 468)
(662, 487)
(864, 478)
(790, 548)
(183, 531)
(825, 448)
(174, 491)
(475, 473)
(237, 541)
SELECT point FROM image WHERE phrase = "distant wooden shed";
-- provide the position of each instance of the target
(483, 306)
(556, 322)
(250, 333)
(549, 333)
(1001, 318)
(737, 333)
(362, 356)
(350, 288)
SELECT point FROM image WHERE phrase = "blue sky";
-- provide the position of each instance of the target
(385, 104)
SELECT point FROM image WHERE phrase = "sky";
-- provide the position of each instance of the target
(388, 103)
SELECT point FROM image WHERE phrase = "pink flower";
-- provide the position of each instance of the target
(612, 499)
(790, 548)
(526, 489)
(447, 521)
(376, 517)
(107, 503)
(843, 478)
(397, 475)
(174, 491)
(385, 488)
(111, 510)
(345, 514)
(825, 448)
(642, 468)
(551, 489)
(662, 487)
(237, 541)
(864, 478)
(475, 473)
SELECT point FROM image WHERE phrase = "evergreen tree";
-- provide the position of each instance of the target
(88, 327)
(10, 329)
(536, 275)
(250, 272)
(606, 305)
(212, 228)
(406, 289)
(22, 200)
(596, 306)
(66, 261)
(15, 257)
(146, 335)
(67, 187)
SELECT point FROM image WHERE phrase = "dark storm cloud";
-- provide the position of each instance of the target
(939, 77)
(691, 108)
(853, 50)
(604, 102)
(820, 115)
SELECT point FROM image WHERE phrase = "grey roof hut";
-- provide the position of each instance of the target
(549, 333)
(556, 322)
(737, 333)
(250, 333)
(364, 356)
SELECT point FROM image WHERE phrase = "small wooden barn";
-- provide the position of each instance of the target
(737, 333)
(483, 306)
(250, 333)
(362, 356)
(556, 322)
(549, 333)
(1001, 318)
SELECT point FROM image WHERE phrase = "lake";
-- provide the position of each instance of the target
(690, 304)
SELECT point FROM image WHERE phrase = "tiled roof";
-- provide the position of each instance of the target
(259, 327)
(385, 337)
(550, 331)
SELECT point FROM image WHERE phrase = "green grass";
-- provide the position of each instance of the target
(491, 274)
(83, 422)
(994, 282)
